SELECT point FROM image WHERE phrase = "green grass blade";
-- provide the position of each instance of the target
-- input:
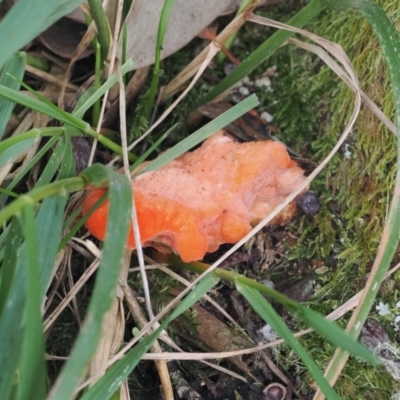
(203, 133)
(51, 220)
(52, 165)
(68, 165)
(63, 116)
(113, 378)
(264, 51)
(28, 166)
(32, 366)
(268, 314)
(13, 241)
(27, 19)
(82, 107)
(98, 67)
(152, 148)
(162, 30)
(335, 335)
(43, 107)
(30, 137)
(119, 218)
(103, 28)
(49, 224)
(228, 44)
(11, 329)
(17, 149)
(15, 67)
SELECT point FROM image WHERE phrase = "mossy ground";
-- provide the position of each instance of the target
(311, 107)
(355, 190)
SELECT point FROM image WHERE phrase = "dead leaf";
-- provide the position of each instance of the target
(63, 37)
(188, 19)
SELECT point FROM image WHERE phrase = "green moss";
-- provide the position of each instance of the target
(355, 192)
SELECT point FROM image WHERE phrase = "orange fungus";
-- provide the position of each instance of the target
(207, 197)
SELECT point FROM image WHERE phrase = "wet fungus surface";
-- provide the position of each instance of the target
(207, 197)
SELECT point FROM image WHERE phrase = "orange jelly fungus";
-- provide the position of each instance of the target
(207, 197)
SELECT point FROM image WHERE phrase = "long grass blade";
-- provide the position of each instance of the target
(83, 106)
(52, 165)
(162, 30)
(28, 167)
(49, 224)
(107, 277)
(265, 310)
(27, 19)
(17, 149)
(103, 28)
(13, 241)
(15, 67)
(32, 366)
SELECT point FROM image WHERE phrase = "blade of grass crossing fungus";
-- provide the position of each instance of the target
(390, 42)
(120, 195)
(32, 365)
(153, 147)
(203, 133)
(15, 67)
(162, 30)
(116, 374)
(34, 17)
(264, 51)
(265, 310)
(54, 217)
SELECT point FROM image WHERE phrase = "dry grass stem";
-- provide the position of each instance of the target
(161, 365)
(45, 76)
(135, 224)
(66, 300)
(323, 55)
